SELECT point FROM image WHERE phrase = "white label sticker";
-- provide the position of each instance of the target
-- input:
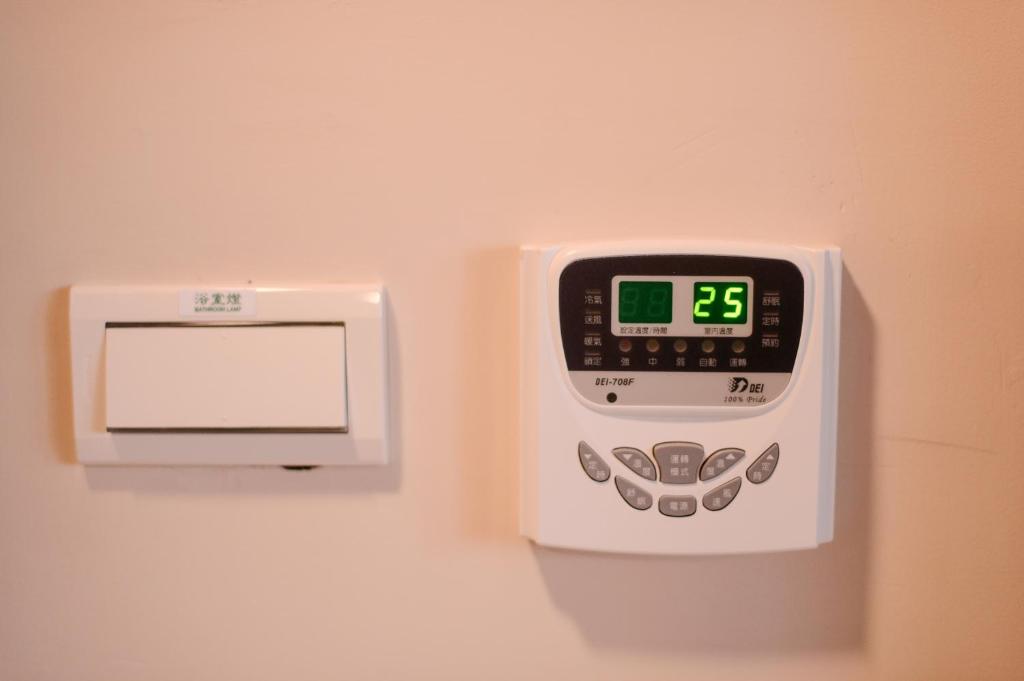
(218, 301)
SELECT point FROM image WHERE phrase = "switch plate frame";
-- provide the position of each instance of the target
(362, 308)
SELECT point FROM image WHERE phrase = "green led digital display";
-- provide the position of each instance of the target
(645, 302)
(720, 302)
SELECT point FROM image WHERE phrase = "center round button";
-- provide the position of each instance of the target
(653, 345)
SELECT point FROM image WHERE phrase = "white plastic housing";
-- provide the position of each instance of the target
(561, 506)
(252, 376)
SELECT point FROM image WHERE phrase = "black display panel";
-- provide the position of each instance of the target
(775, 307)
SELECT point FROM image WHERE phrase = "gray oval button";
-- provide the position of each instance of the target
(636, 461)
(722, 496)
(764, 465)
(593, 465)
(635, 495)
(677, 506)
(720, 462)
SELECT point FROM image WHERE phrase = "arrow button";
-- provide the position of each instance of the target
(636, 461)
(593, 465)
(720, 461)
(764, 465)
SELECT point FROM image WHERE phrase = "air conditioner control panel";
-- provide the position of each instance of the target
(679, 397)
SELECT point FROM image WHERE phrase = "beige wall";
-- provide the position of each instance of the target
(419, 143)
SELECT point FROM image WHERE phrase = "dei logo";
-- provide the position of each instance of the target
(739, 384)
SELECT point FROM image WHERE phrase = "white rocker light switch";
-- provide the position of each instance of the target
(259, 377)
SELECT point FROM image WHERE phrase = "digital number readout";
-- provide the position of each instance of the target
(720, 302)
(645, 302)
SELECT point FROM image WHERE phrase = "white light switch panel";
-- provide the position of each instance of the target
(229, 375)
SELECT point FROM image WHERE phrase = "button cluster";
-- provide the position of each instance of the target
(678, 463)
(665, 352)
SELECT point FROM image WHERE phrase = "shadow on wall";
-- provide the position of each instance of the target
(58, 355)
(216, 479)
(804, 600)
